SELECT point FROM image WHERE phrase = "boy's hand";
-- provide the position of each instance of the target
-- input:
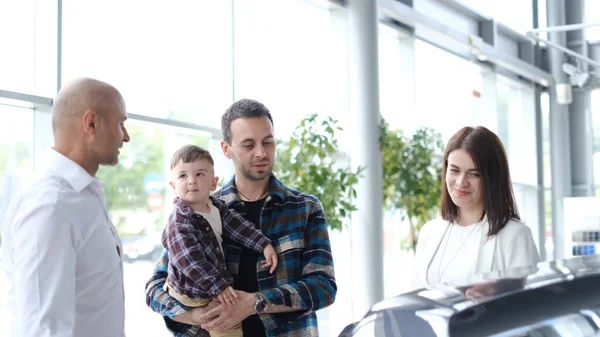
(270, 258)
(228, 296)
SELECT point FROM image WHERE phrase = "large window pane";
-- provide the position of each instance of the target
(283, 58)
(592, 15)
(169, 59)
(516, 107)
(17, 42)
(396, 77)
(139, 201)
(545, 105)
(16, 153)
(448, 91)
(397, 104)
(292, 56)
(516, 112)
(516, 14)
(595, 107)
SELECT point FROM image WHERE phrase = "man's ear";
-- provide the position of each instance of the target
(90, 122)
(226, 149)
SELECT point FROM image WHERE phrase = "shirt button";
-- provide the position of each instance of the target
(207, 229)
(224, 268)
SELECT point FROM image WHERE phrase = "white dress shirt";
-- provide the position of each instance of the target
(63, 257)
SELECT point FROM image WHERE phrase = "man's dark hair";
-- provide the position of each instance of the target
(244, 108)
(190, 153)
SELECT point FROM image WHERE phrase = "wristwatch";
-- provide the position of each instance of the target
(261, 304)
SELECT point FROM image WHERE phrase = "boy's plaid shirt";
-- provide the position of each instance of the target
(196, 265)
(304, 279)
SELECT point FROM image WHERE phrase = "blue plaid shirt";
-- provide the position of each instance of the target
(304, 279)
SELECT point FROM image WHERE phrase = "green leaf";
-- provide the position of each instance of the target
(411, 175)
(312, 150)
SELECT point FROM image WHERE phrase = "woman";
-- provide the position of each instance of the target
(480, 230)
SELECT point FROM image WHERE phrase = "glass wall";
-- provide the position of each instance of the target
(397, 103)
(546, 167)
(28, 42)
(181, 62)
(516, 14)
(173, 61)
(16, 165)
(430, 87)
(595, 105)
(139, 201)
(448, 92)
(180, 65)
(17, 34)
(592, 16)
(516, 112)
(287, 68)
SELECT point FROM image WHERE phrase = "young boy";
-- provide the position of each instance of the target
(193, 235)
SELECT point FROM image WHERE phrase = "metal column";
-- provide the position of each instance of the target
(367, 224)
(539, 139)
(580, 117)
(582, 149)
(541, 230)
(559, 128)
(571, 136)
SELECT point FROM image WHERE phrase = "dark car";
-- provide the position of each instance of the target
(558, 298)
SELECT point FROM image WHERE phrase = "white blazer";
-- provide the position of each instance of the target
(512, 247)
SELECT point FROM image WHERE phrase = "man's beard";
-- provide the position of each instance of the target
(247, 173)
(106, 159)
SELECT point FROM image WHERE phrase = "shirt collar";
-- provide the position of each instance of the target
(72, 172)
(228, 192)
(185, 209)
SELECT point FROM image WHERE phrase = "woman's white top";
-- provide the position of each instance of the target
(456, 255)
(512, 247)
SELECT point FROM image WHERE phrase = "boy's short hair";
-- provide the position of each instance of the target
(190, 153)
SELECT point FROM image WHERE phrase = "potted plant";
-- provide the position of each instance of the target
(309, 162)
(411, 176)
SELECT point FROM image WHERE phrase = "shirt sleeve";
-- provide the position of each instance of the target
(45, 245)
(523, 251)
(188, 256)
(162, 303)
(317, 288)
(243, 231)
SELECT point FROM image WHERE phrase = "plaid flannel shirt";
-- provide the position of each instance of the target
(304, 279)
(196, 265)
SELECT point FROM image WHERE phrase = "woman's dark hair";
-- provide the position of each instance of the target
(487, 152)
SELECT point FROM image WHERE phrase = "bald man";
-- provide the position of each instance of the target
(62, 253)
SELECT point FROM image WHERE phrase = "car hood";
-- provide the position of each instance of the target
(472, 307)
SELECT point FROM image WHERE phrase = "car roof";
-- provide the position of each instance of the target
(491, 303)
(456, 295)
